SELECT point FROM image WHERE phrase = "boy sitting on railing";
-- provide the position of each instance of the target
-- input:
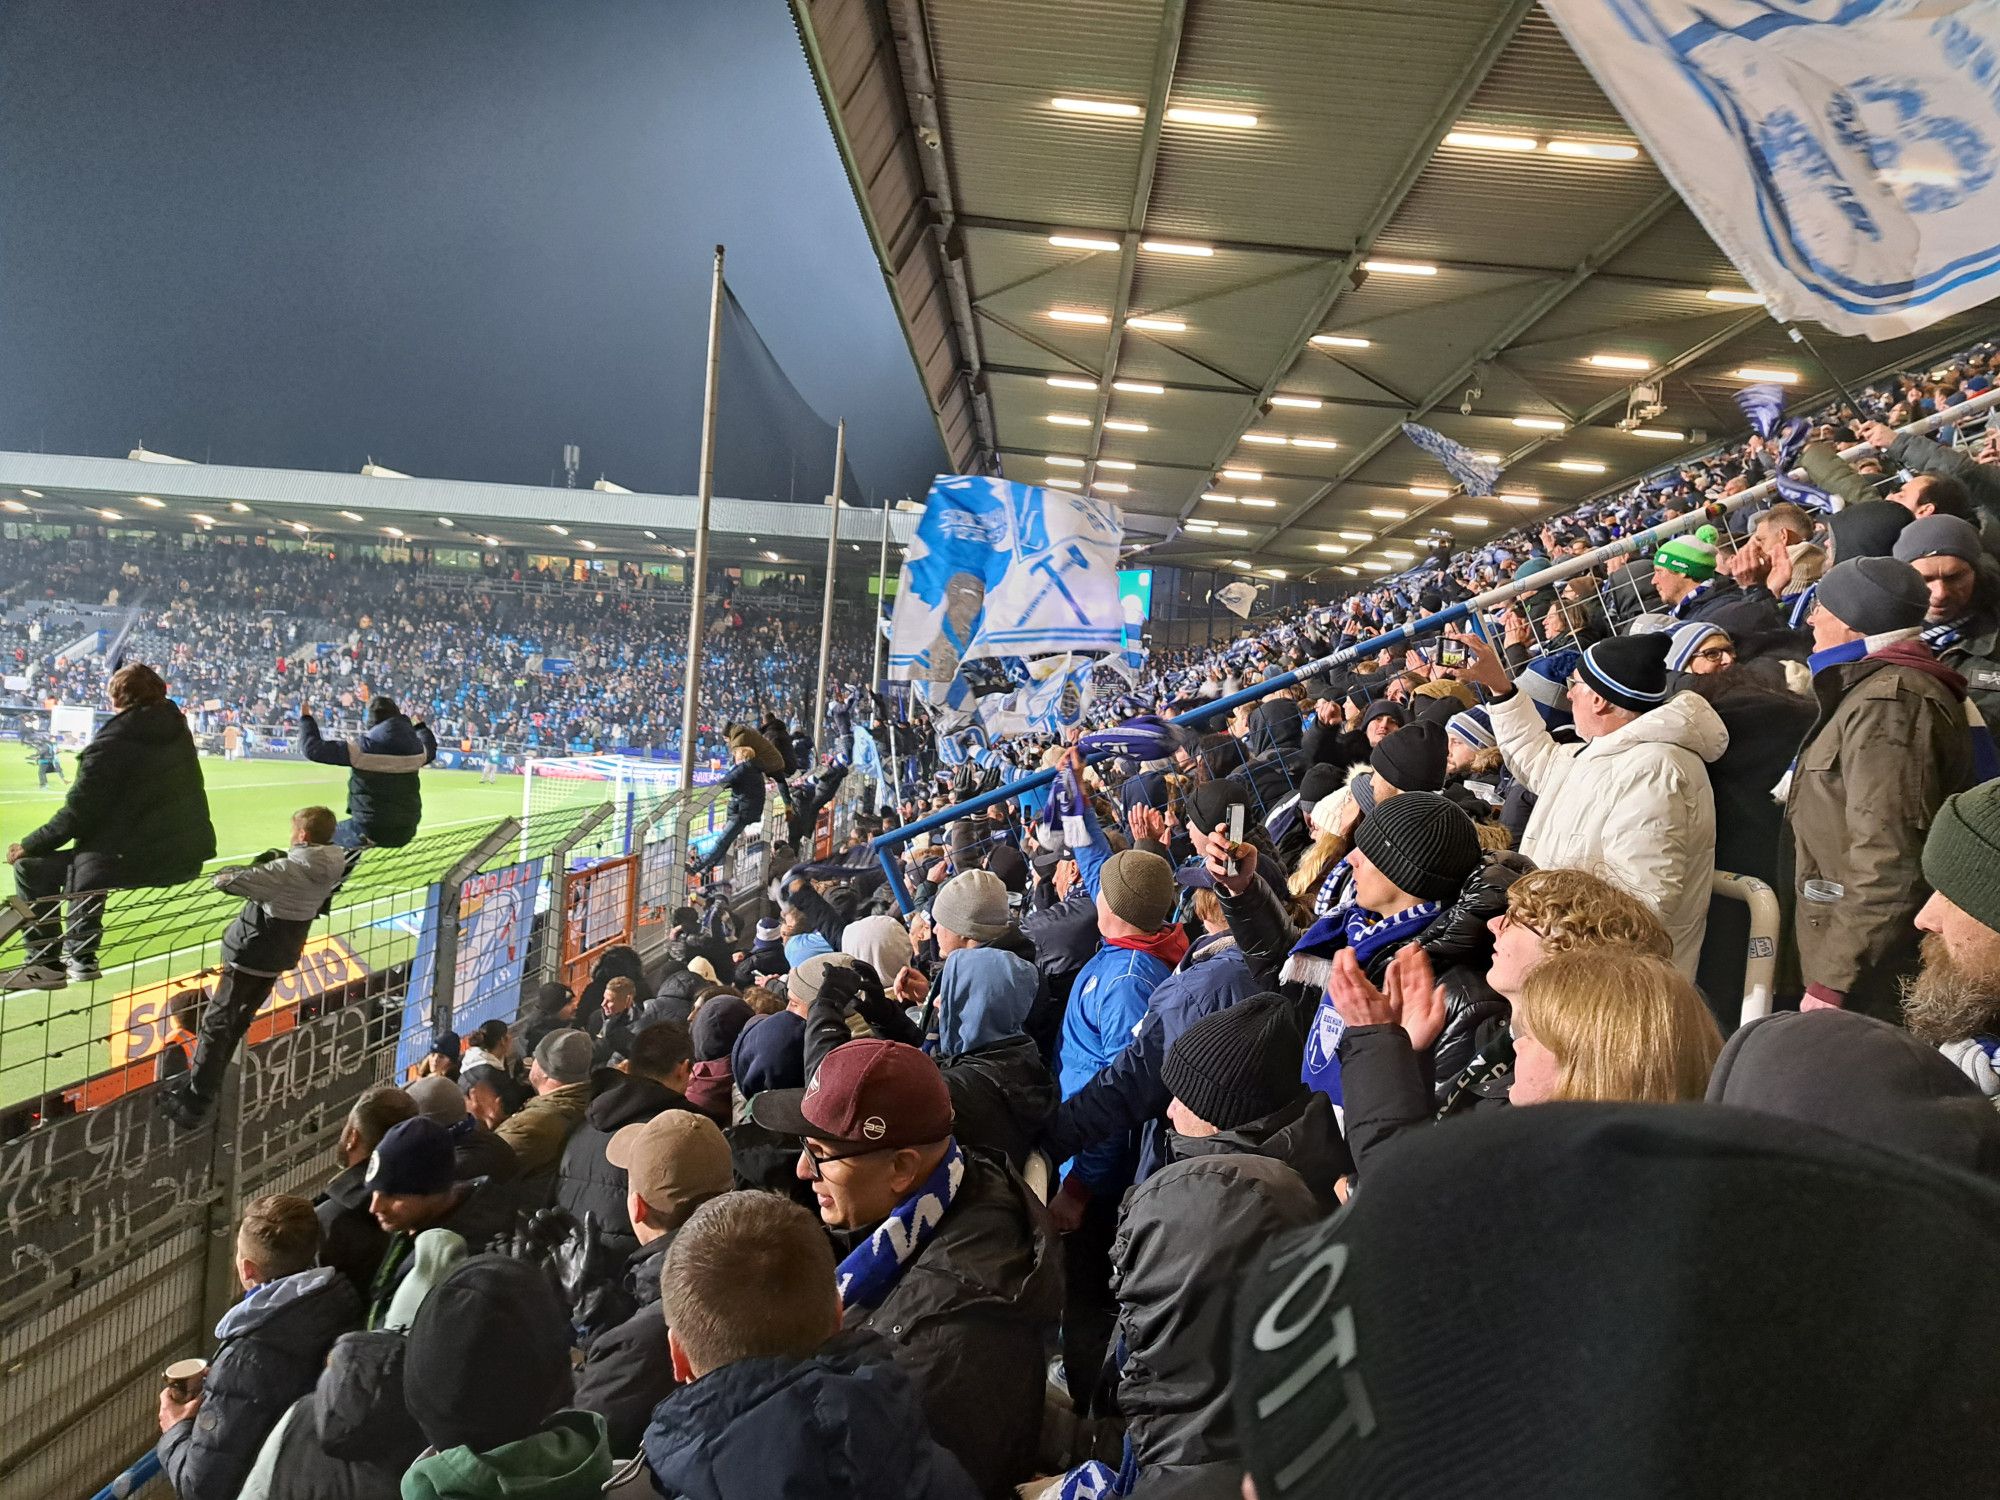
(284, 891)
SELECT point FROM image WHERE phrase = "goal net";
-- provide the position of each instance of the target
(632, 788)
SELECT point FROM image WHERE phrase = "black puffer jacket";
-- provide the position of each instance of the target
(385, 796)
(968, 1319)
(352, 1437)
(673, 1000)
(272, 1345)
(1001, 1097)
(627, 1369)
(1386, 1086)
(138, 797)
(586, 1182)
(1304, 1135)
(1186, 1235)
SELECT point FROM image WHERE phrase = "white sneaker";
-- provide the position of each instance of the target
(34, 977)
(83, 973)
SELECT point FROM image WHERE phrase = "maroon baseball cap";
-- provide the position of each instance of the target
(866, 1092)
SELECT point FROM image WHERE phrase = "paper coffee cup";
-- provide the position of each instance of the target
(184, 1378)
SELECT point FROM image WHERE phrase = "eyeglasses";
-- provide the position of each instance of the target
(816, 1163)
(1715, 653)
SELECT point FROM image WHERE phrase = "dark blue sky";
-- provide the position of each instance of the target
(454, 236)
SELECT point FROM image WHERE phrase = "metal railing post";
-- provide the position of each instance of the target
(444, 972)
(1760, 967)
(225, 1172)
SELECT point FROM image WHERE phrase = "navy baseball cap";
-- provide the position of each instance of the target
(414, 1157)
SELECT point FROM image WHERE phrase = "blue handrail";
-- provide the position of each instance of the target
(133, 1479)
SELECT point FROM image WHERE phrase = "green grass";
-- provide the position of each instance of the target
(50, 1041)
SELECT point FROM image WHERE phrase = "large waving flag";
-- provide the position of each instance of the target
(1844, 153)
(1003, 569)
(1468, 468)
(1237, 597)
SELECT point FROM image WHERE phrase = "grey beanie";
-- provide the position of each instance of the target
(1874, 595)
(973, 904)
(803, 984)
(565, 1055)
(1940, 536)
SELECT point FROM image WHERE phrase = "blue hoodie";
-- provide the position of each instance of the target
(983, 997)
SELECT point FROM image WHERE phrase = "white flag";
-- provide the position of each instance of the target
(1237, 597)
(1844, 153)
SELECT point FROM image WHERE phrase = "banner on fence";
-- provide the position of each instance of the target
(496, 914)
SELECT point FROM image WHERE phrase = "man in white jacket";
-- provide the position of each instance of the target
(1631, 802)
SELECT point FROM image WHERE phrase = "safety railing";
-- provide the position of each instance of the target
(1760, 966)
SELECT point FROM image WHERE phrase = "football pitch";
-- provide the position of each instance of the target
(54, 1040)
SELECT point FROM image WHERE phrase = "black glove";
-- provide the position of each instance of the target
(841, 985)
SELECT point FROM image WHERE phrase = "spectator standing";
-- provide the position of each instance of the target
(1684, 577)
(352, 1437)
(476, 1151)
(136, 815)
(385, 800)
(559, 1074)
(1954, 1003)
(1891, 743)
(1962, 625)
(351, 1240)
(283, 893)
(270, 1349)
(412, 1190)
(653, 1081)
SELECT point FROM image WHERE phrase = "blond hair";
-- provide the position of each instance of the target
(1571, 909)
(1624, 1026)
(1327, 850)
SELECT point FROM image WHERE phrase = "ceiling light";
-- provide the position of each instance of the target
(1082, 242)
(1304, 403)
(1398, 268)
(1621, 362)
(1339, 341)
(1359, 536)
(770, 556)
(1666, 433)
(1064, 461)
(1594, 150)
(1062, 419)
(1201, 523)
(350, 515)
(392, 531)
(1539, 424)
(1520, 499)
(1579, 466)
(564, 530)
(111, 515)
(1138, 388)
(300, 527)
(1182, 114)
(649, 536)
(1257, 502)
(1110, 487)
(239, 507)
(588, 546)
(1118, 424)
(1469, 521)
(1239, 562)
(494, 541)
(1213, 498)
(1264, 437)
(1387, 513)
(1122, 465)
(1376, 567)
(20, 509)
(1345, 569)
(1332, 549)
(1073, 315)
(1402, 556)
(1232, 531)
(31, 494)
(1314, 443)
(150, 502)
(1429, 492)
(1274, 573)
(1071, 383)
(1253, 475)
(206, 520)
(1097, 107)
(1157, 325)
(1061, 483)
(1175, 247)
(1731, 294)
(1758, 372)
(446, 522)
(1479, 140)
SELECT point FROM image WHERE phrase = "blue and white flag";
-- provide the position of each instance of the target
(1003, 569)
(1845, 154)
(1808, 497)
(1237, 597)
(1468, 468)
(1763, 406)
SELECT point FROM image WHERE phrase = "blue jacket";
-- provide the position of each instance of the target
(1127, 1093)
(383, 795)
(842, 1425)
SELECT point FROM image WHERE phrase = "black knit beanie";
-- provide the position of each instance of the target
(1412, 759)
(488, 1355)
(1423, 843)
(1869, 529)
(1320, 781)
(1239, 1064)
(1628, 671)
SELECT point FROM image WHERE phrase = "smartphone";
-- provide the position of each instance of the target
(1235, 831)
(1451, 653)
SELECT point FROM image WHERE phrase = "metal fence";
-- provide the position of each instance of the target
(119, 1227)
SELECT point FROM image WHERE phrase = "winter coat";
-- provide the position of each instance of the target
(483, 1213)
(1766, 727)
(384, 798)
(1633, 806)
(1386, 1087)
(1890, 745)
(710, 1086)
(1975, 656)
(478, 1152)
(845, 1424)
(1186, 1236)
(968, 1319)
(745, 785)
(138, 798)
(673, 1001)
(567, 1459)
(350, 1239)
(1723, 604)
(350, 1437)
(1922, 455)
(1304, 1135)
(271, 1347)
(763, 1158)
(1045, 1013)
(586, 1182)
(1065, 937)
(1127, 1093)
(540, 1129)
(627, 1369)
(1829, 471)
(282, 898)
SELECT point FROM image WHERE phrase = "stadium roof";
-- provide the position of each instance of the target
(612, 524)
(1264, 234)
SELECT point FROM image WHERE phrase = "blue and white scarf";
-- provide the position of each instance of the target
(1065, 809)
(1093, 1480)
(1802, 603)
(1693, 598)
(1941, 638)
(1349, 926)
(870, 1270)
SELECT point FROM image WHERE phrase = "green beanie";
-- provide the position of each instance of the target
(1689, 556)
(1962, 854)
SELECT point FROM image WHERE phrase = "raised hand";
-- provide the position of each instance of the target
(1354, 995)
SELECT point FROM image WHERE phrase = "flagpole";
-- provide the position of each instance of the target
(826, 603)
(881, 596)
(704, 497)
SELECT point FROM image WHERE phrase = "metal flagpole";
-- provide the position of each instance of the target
(704, 495)
(826, 604)
(881, 597)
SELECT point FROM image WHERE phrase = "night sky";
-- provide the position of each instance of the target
(453, 236)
